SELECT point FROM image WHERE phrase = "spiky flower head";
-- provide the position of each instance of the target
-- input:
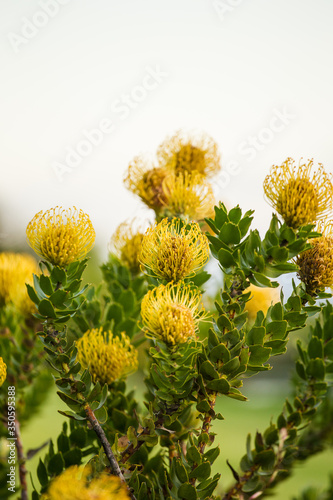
(3, 371)
(316, 264)
(261, 299)
(15, 271)
(72, 484)
(61, 236)
(172, 312)
(299, 194)
(173, 250)
(190, 153)
(126, 244)
(146, 181)
(108, 357)
(187, 196)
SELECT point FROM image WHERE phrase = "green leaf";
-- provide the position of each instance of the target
(73, 457)
(58, 298)
(220, 352)
(127, 300)
(45, 284)
(212, 454)
(193, 454)
(72, 403)
(207, 369)
(42, 473)
(315, 348)
(56, 464)
(115, 312)
(220, 385)
(230, 234)
(201, 472)
(328, 349)
(235, 215)
(181, 471)
(256, 335)
(32, 294)
(265, 459)
(226, 258)
(187, 491)
(316, 369)
(101, 414)
(58, 275)
(203, 406)
(259, 355)
(46, 309)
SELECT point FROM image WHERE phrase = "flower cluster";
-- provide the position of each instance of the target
(107, 357)
(172, 312)
(177, 186)
(173, 251)
(3, 371)
(15, 271)
(61, 236)
(72, 484)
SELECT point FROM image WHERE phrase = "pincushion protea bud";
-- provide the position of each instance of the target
(173, 250)
(172, 312)
(61, 236)
(107, 356)
(72, 484)
(316, 264)
(3, 371)
(298, 194)
(190, 153)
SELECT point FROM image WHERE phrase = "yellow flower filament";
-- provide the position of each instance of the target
(171, 313)
(61, 236)
(299, 195)
(107, 356)
(172, 251)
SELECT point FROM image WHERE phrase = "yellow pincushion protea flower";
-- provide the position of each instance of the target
(187, 196)
(126, 244)
(107, 357)
(186, 153)
(299, 195)
(61, 236)
(316, 264)
(172, 312)
(173, 251)
(3, 371)
(15, 271)
(72, 484)
(146, 181)
(261, 300)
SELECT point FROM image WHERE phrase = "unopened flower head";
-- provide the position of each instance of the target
(261, 299)
(61, 236)
(15, 271)
(316, 264)
(72, 484)
(187, 196)
(107, 356)
(126, 244)
(186, 153)
(173, 250)
(172, 312)
(146, 181)
(299, 194)
(3, 371)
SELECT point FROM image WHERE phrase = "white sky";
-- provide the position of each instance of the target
(230, 73)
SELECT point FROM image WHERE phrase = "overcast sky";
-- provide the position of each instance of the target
(256, 75)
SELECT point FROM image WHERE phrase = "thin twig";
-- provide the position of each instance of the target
(106, 445)
(21, 462)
